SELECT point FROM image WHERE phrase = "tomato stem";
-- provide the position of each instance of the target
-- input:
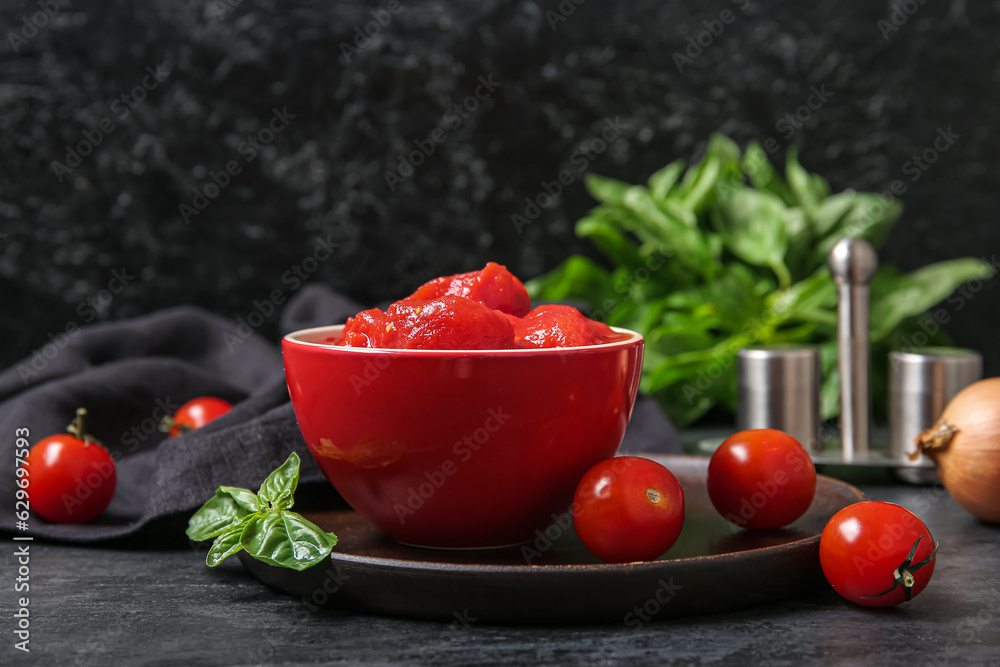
(78, 422)
(168, 423)
(77, 428)
(903, 575)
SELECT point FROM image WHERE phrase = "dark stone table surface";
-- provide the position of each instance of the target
(154, 602)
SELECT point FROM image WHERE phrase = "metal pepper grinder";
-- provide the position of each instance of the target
(852, 264)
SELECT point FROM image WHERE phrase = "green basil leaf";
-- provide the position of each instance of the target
(684, 363)
(684, 242)
(728, 153)
(684, 403)
(277, 490)
(607, 190)
(753, 229)
(661, 182)
(801, 239)
(809, 189)
(819, 187)
(895, 297)
(620, 314)
(578, 278)
(715, 248)
(671, 207)
(758, 167)
(815, 292)
(796, 223)
(694, 192)
(711, 381)
(724, 190)
(633, 315)
(684, 300)
(286, 539)
(735, 297)
(606, 236)
(668, 372)
(798, 180)
(831, 212)
(830, 393)
(871, 218)
(215, 517)
(226, 544)
(642, 303)
(245, 498)
(824, 320)
(668, 340)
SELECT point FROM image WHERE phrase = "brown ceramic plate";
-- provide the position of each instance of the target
(713, 567)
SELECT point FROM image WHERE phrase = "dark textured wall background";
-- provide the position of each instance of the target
(231, 63)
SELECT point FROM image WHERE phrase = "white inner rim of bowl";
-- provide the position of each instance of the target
(302, 337)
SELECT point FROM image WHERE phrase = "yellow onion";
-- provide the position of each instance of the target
(965, 446)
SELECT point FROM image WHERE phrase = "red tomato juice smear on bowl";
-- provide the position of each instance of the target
(487, 309)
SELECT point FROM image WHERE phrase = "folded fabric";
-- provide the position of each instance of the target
(130, 374)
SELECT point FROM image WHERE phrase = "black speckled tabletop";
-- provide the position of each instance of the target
(140, 605)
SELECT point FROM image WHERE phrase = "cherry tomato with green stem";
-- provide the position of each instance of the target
(194, 414)
(628, 509)
(877, 554)
(761, 479)
(71, 477)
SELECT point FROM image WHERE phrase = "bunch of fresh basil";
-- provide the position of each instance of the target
(726, 254)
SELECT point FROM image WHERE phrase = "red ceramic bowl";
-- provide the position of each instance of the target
(460, 448)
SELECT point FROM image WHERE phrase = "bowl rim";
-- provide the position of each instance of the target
(293, 338)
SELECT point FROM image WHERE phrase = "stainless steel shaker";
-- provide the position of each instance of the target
(780, 388)
(921, 383)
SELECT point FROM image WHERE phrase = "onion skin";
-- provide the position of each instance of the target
(965, 446)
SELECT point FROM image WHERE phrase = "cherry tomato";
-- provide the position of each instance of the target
(195, 414)
(761, 479)
(628, 509)
(877, 554)
(70, 479)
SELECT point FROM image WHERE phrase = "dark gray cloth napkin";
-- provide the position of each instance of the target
(128, 374)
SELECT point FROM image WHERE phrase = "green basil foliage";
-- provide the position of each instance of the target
(261, 523)
(727, 253)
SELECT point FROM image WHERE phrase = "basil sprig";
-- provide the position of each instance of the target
(261, 523)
